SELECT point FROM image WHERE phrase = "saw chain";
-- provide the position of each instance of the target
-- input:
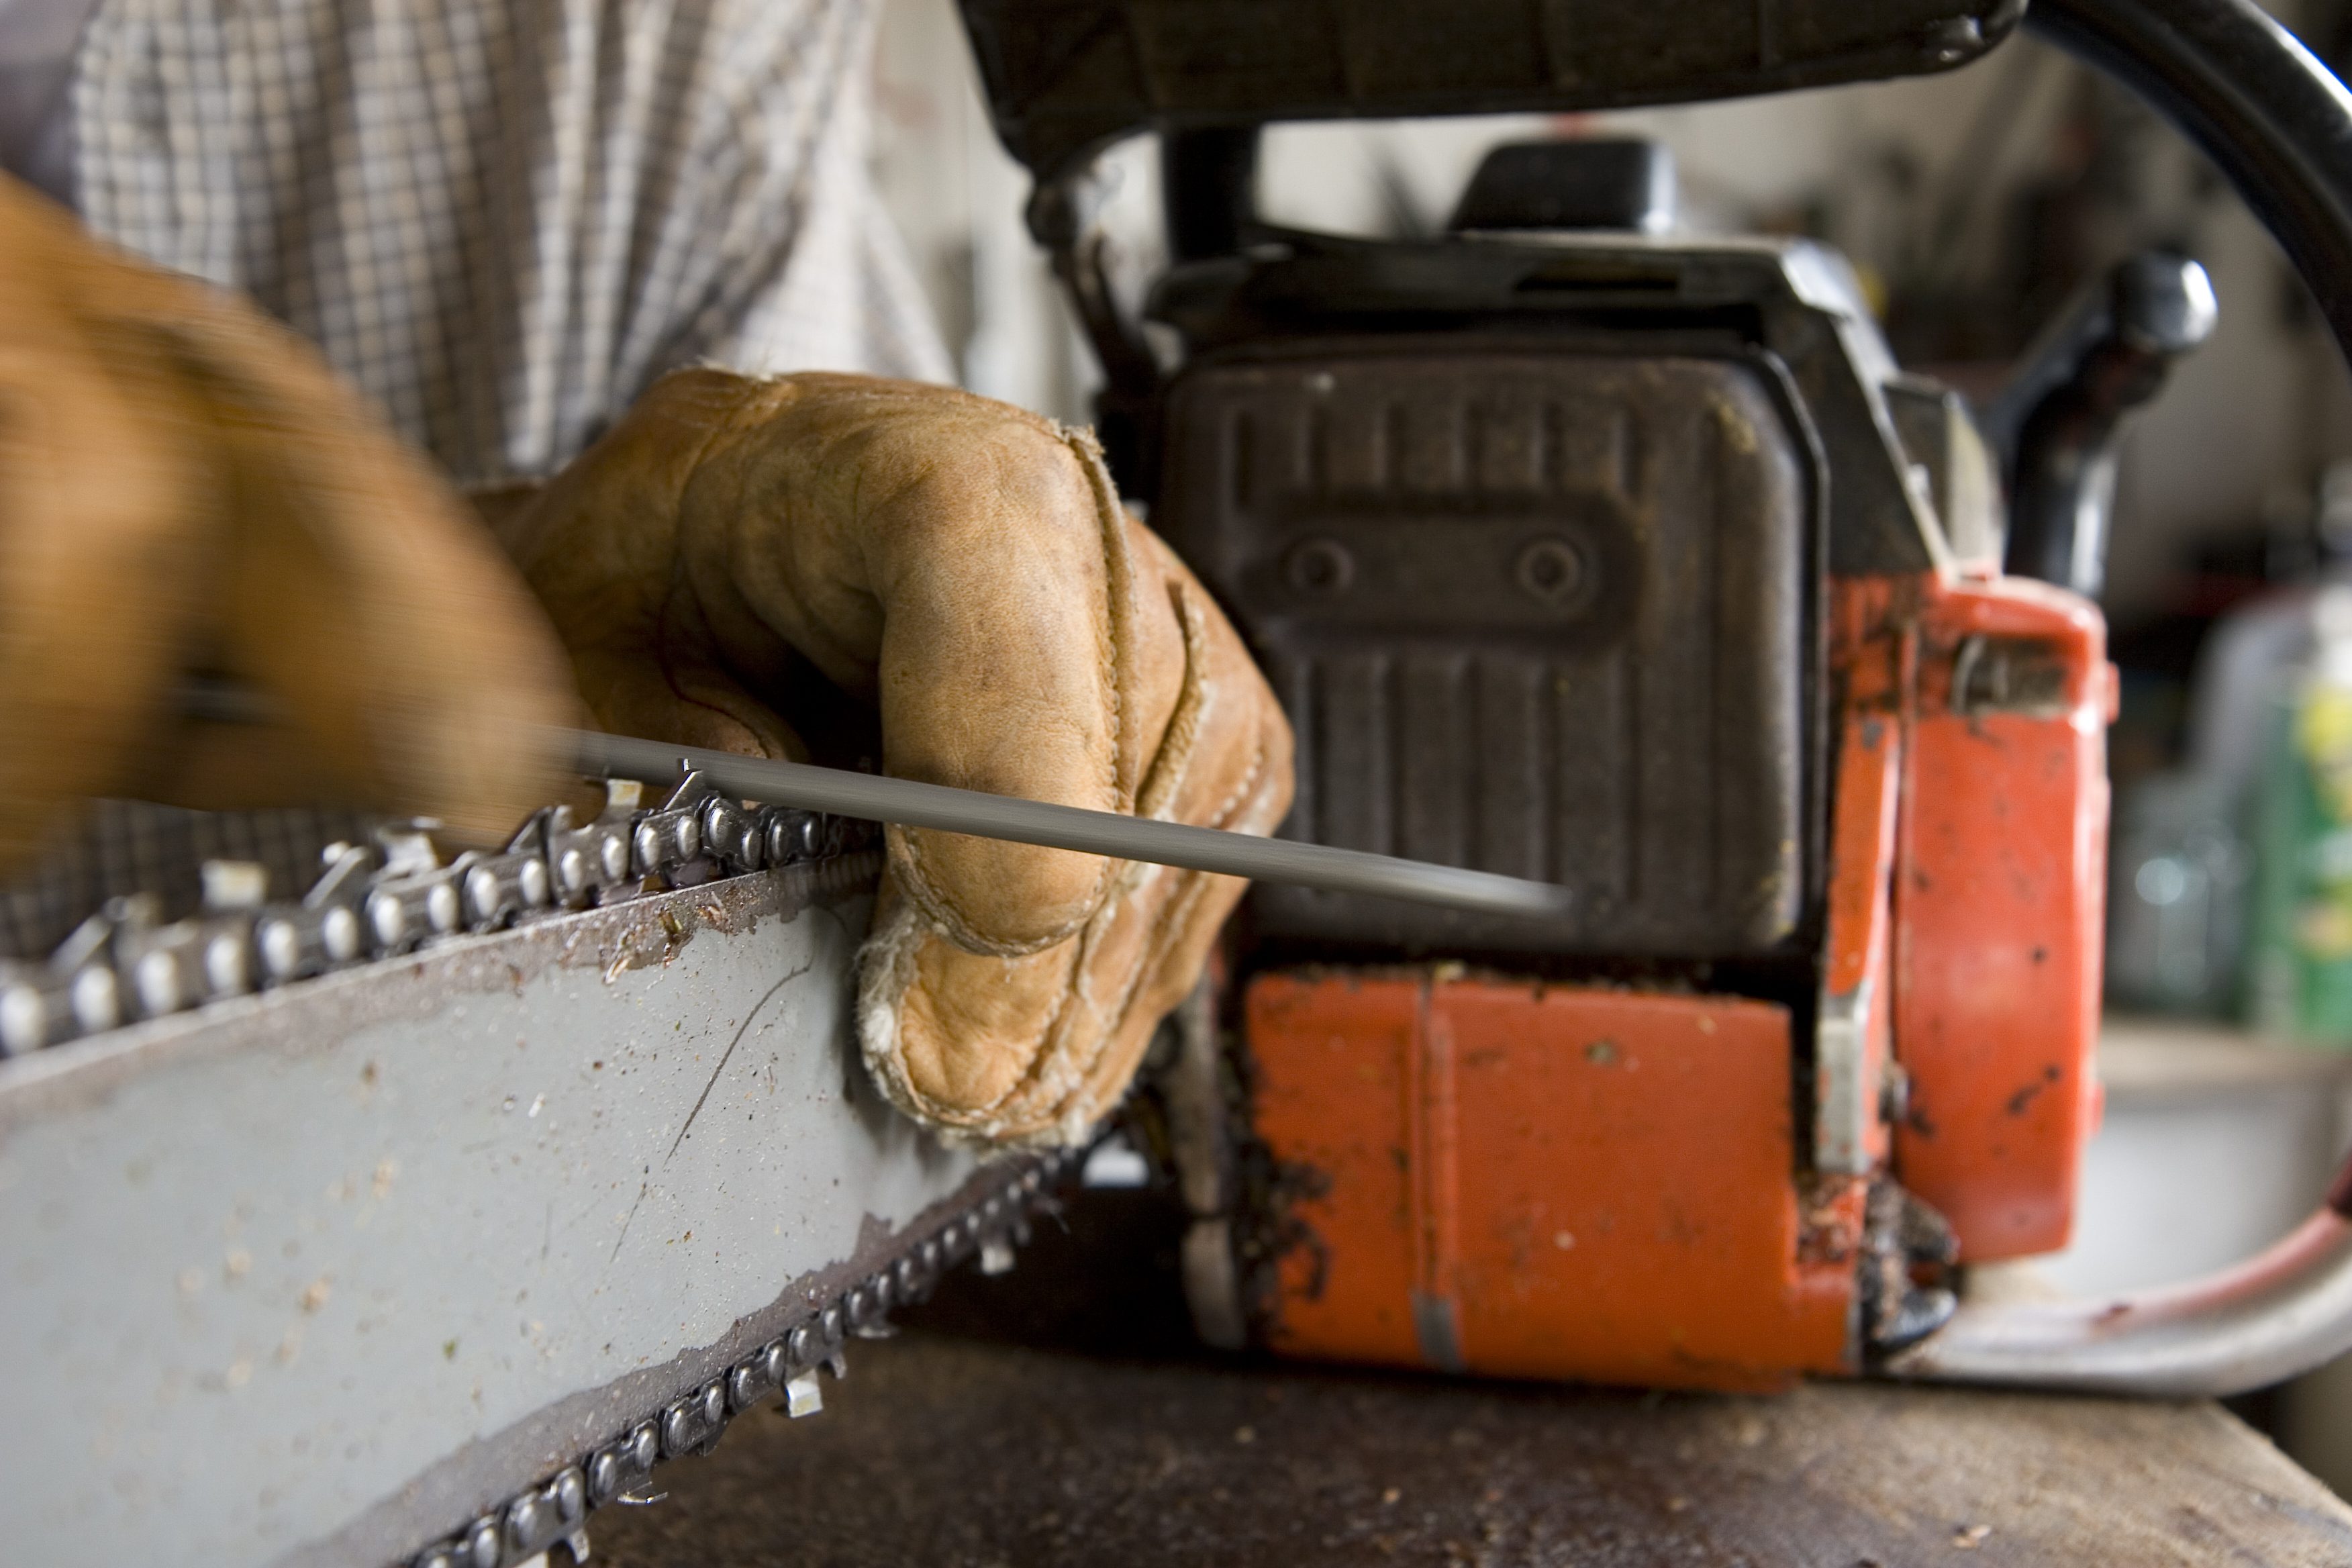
(390, 894)
(553, 1514)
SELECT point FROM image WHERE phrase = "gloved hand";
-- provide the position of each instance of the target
(967, 569)
(184, 486)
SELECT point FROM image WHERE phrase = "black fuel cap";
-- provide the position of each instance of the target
(1606, 183)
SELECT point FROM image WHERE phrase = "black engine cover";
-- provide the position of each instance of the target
(1535, 611)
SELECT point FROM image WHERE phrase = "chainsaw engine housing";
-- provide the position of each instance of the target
(1632, 562)
(1581, 549)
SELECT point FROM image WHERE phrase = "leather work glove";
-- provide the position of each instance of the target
(735, 554)
(184, 486)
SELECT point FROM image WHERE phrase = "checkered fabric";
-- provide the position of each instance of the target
(500, 218)
(504, 218)
(127, 847)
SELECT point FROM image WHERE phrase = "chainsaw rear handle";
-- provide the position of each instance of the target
(2278, 124)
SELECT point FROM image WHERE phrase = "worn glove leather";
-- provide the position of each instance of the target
(736, 554)
(184, 486)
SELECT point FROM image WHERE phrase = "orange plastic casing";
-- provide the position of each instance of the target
(1495, 1176)
(1998, 895)
(1489, 1174)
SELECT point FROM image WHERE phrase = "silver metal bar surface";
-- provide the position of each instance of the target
(2278, 1314)
(917, 804)
(318, 1274)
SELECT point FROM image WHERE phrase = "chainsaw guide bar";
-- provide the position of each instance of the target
(421, 1215)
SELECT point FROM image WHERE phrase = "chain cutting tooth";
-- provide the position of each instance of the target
(604, 1475)
(793, 837)
(499, 889)
(869, 1308)
(187, 963)
(405, 910)
(295, 940)
(831, 1324)
(25, 1010)
(692, 1425)
(667, 839)
(229, 961)
(621, 1467)
(531, 1520)
(96, 998)
(663, 840)
(571, 1491)
(157, 983)
(545, 1515)
(753, 1380)
(732, 836)
(910, 1279)
(585, 858)
(75, 991)
(35, 1008)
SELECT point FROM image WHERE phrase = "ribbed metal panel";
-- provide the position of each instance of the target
(1542, 614)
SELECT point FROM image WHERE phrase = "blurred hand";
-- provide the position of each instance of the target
(185, 487)
(736, 554)
(760, 566)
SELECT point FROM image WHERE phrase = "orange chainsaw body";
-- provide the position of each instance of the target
(1491, 1173)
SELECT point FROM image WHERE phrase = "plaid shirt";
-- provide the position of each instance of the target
(503, 218)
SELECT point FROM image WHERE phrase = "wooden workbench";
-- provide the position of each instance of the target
(1037, 1420)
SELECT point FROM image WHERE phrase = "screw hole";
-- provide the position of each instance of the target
(1551, 571)
(1321, 566)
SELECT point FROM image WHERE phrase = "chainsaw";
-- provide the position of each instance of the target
(1681, 961)
(1584, 550)
(410, 1218)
